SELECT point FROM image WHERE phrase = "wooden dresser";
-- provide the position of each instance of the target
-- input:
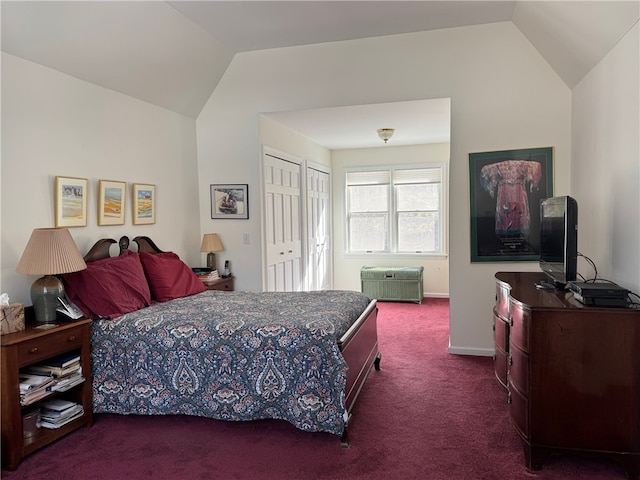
(572, 372)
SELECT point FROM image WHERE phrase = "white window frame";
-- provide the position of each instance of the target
(393, 213)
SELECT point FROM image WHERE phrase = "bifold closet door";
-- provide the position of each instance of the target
(283, 224)
(318, 230)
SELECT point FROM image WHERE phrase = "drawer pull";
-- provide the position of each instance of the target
(510, 360)
(509, 400)
(72, 338)
(33, 350)
(511, 321)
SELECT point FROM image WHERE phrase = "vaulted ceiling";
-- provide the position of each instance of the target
(172, 54)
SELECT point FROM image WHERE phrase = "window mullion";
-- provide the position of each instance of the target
(393, 219)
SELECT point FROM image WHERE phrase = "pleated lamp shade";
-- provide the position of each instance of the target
(211, 243)
(50, 251)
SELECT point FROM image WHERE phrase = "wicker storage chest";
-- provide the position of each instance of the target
(392, 283)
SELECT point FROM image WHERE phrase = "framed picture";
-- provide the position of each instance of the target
(70, 202)
(144, 204)
(111, 201)
(506, 188)
(230, 201)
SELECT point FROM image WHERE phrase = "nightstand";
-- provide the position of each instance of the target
(28, 347)
(220, 284)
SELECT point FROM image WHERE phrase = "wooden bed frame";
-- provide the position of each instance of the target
(359, 344)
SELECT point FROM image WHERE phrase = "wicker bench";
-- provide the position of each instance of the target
(392, 283)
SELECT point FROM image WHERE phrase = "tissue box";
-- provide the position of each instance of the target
(11, 318)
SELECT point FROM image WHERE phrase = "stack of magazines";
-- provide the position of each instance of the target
(34, 387)
(56, 374)
(206, 274)
(56, 412)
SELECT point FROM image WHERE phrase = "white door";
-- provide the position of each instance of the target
(282, 224)
(318, 266)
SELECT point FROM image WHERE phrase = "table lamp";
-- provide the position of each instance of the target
(49, 252)
(211, 243)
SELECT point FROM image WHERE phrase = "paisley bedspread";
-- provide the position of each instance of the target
(229, 356)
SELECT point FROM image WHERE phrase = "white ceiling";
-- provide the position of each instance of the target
(172, 54)
(415, 122)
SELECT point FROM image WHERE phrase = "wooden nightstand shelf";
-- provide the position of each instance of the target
(28, 347)
(220, 284)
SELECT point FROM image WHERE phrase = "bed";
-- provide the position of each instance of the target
(164, 345)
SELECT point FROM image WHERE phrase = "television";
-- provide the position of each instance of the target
(558, 241)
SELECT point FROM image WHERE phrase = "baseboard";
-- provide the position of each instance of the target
(478, 352)
(435, 295)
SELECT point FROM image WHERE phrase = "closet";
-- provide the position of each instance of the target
(296, 237)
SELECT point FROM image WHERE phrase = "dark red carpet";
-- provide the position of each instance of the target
(425, 415)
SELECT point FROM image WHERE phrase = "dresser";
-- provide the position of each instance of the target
(571, 372)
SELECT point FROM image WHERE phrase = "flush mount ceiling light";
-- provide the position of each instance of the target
(386, 133)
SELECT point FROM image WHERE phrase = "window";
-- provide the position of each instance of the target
(395, 210)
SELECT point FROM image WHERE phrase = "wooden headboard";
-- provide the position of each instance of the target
(101, 249)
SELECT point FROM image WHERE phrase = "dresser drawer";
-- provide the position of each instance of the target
(502, 299)
(500, 366)
(519, 411)
(519, 370)
(520, 324)
(41, 348)
(500, 332)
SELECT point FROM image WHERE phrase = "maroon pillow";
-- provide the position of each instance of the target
(169, 277)
(109, 287)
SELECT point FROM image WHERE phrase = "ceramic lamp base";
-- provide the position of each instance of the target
(44, 296)
(211, 260)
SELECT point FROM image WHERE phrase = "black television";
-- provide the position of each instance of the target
(558, 241)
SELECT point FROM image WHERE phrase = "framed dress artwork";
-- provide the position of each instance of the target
(506, 188)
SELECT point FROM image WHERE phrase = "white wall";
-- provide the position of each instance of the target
(277, 136)
(605, 175)
(347, 267)
(503, 96)
(54, 124)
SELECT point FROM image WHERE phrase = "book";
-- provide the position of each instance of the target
(53, 370)
(59, 417)
(57, 404)
(64, 360)
(58, 421)
(209, 276)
